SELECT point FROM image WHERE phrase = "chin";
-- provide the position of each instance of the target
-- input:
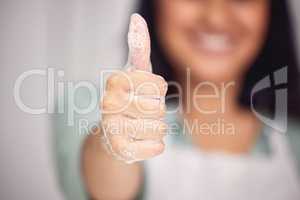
(215, 71)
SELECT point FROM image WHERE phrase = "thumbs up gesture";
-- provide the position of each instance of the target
(133, 105)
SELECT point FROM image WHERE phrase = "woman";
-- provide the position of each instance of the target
(216, 51)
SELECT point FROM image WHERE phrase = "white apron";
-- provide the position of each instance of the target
(186, 173)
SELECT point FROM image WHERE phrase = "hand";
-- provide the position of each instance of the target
(133, 106)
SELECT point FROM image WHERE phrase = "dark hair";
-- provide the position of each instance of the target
(278, 51)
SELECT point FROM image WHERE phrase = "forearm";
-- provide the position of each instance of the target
(105, 177)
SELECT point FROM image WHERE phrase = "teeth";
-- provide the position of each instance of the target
(214, 42)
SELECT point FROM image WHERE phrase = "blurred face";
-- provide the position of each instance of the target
(216, 39)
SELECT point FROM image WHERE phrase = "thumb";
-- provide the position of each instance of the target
(139, 44)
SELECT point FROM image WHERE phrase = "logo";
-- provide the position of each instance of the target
(279, 86)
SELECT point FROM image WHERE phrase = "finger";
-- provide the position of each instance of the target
(148, 84)
(134, 129)
(139, 44)
(132, 106)
(147, 129)
(119, 81)
(139, 82)
(146, 108)
(136, 151)
(113, 102)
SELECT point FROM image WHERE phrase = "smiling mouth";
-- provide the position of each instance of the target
(214, 43)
